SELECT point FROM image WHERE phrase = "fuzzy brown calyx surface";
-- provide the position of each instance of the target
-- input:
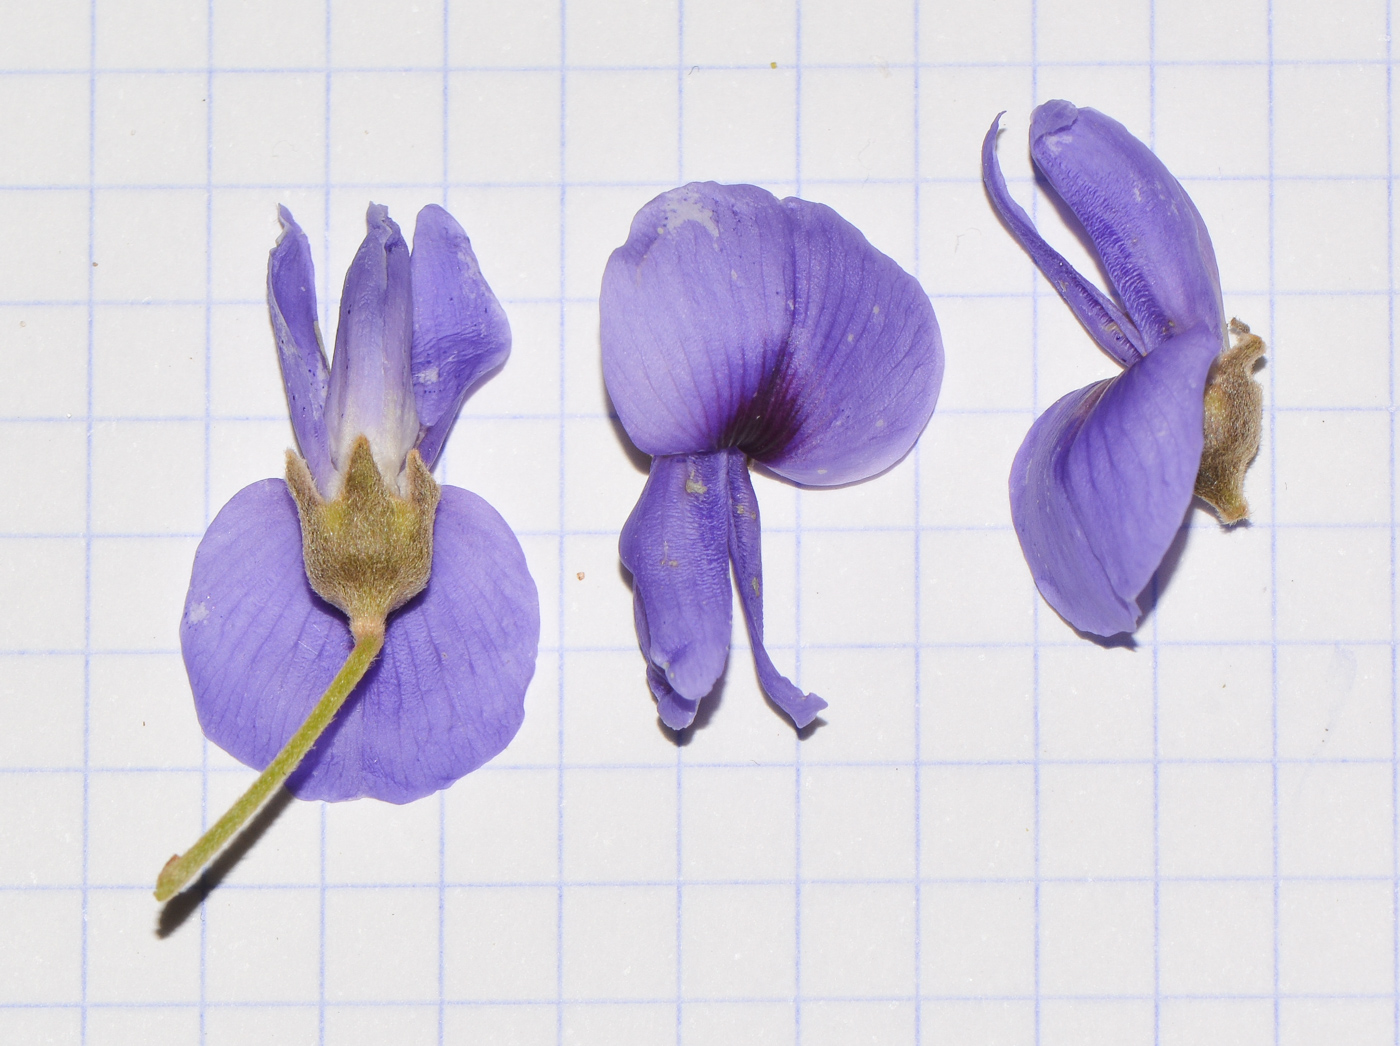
(369, 549)
(1233, 421)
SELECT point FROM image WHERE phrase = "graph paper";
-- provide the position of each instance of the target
(1000, 833)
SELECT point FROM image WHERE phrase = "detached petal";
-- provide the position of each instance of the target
(460, 332)
(676, 544)
(1103, 479)
(746, 552)
(1149, 234)
(371, 384)
(445, 695)
(291, 300)
(695, 312)
(1103, 319)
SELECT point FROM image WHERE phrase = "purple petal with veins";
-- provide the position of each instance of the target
(371, 385)
(446, 694)
(1104, 477)
(460, 333)
(291, 299)
(738, 326)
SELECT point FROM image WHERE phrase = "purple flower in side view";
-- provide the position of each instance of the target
(738, 326)
(1104, 477)
(446, 693)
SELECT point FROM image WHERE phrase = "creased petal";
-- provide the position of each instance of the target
(863, 364)
(1103, 479)
(371, 384)
(675, 543)
(675, 711)
(1103, 319)
(1149, 234)
(445, 695)
(746, 552)
(730, 319)
(695, 312)
(460, 332)
(291, 300)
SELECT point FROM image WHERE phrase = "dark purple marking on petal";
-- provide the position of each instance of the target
(675, 543)
(1103, 319)
(1154, 245)
(445, 695)
(460, 331)
(291, 301)
(730, 319)
(371, 383)
(746, 553)
(1103, 479)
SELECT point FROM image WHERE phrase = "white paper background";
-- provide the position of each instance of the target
(1003, 834)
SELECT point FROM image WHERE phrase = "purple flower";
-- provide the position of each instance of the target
(446, 693)
(1101, 484)
(736, 326)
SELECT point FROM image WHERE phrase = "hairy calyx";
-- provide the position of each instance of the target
(1233, 422)
(368, 551)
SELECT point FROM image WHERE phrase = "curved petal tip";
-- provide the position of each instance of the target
(1053, 117)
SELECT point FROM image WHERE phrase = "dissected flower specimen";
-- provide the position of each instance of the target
(736, 326)
(1104, 477)
(358, 630)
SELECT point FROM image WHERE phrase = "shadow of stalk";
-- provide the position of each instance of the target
(187, 902)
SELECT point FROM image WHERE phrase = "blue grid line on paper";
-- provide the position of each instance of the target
(741, 999)
(429, 69)
(797, 851)
(1282, 644)
(1142, 761)
(490, 884)
(935, 297)
(1273, 554)
(327, 286)
(563, 517)
(1145, 762)
(1394, 610)
(1155, 630)
(208, 450)
(649, 184)
(441, 798)
(918, 597)
(1036, 612)
(916, 531)
(1273, 546)
(596, 416)
(680, 751)
(87, 515)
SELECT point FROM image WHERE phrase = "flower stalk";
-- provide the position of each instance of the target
(182, 868)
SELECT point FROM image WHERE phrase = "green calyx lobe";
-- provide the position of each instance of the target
(369, 549)
(1233, 420)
